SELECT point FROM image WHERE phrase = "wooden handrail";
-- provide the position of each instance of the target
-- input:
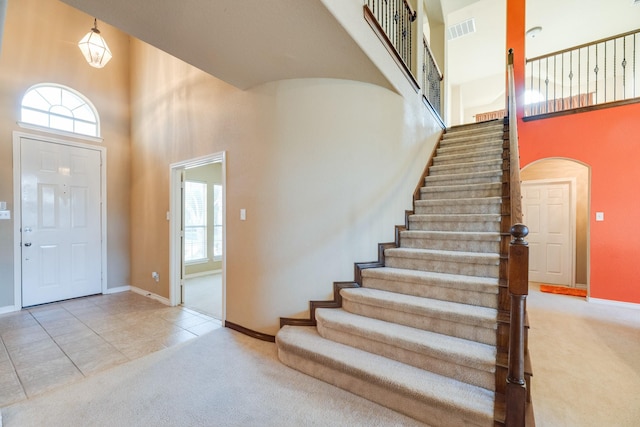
(518, 273)
(580, 46)
(516, 196)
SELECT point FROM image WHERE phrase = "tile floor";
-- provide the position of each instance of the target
(48, 346)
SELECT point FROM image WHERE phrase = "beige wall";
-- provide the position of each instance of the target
(324, 169)
(40, 45)
(211, 174)
(563, 168)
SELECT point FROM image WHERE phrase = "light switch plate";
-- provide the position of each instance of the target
(243, 214)
(599, 216)
(5, 214)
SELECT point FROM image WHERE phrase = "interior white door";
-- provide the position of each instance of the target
(547, 213)
(61, 222)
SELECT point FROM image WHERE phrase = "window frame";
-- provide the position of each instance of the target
(54, 130)
(204, 227)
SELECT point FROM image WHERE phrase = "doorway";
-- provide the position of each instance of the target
(553, 172)
(198, 235)
(59, 210)
(549, 213)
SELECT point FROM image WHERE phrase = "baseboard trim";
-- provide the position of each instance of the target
(619, 304)
(151, 295)
(202, 273)
(249, 332)
(8, 309)
(117, 290)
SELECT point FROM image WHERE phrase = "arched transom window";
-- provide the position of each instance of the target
(60, 108)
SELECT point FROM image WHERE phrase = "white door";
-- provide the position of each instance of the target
(547, 209)
(61, 222)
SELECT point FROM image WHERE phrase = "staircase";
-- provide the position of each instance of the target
(420, 335)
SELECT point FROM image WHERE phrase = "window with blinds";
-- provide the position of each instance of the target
(195, 221)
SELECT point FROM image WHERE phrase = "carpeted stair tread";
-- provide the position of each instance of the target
(470, 177)
(464, 360)
(464, 289)
(490, 205)
(465, 166)
(437, 399)
(466, 157)
(460, 138)
(471, 241)
(470, 147)
(472, 283)
(455, 217)
(461, 187)
(451, 311)
(456, 256)
(452, 235)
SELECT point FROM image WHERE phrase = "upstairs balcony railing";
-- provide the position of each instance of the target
(394, 22)
(602, 73)
(431, 80)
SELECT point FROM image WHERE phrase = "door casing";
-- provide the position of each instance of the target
(572, 219)
(17, 196)
(175, 221)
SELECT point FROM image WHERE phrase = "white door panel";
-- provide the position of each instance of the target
(61, 221)
(547, 208)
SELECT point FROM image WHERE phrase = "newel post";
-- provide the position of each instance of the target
(516, 392)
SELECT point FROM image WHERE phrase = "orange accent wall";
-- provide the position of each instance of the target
(608, 141)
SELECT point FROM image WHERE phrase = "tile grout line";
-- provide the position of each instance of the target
(15, 370)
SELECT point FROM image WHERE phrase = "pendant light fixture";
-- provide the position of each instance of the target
(94, 48)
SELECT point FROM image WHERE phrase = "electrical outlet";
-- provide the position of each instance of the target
(155, 276)
(5, 214)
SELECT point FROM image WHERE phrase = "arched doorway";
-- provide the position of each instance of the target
(555, 172)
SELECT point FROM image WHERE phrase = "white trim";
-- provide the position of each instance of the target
(572, 218)
(8, 309)
(202, 273)
(175, 219)
(17, 194)
(151, 295)
(619, 304)
(115, 291)
(59, 132)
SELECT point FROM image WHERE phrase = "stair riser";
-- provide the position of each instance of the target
(470, 148)
(457, 168)
(450, 244)
(427, 193)
(434, 291)
(464, 180)
(427, 412)
(453, 159)
(470, 375)
(453, 208)
(425, 322)
(439, 266)
(493, 226)
(484, 135)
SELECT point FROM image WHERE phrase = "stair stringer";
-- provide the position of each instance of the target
(336, 302)
(497, 408)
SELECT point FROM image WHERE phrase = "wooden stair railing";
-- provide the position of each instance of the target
(517, 398)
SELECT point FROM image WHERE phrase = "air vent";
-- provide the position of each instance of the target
(635, 2)
(463, 28)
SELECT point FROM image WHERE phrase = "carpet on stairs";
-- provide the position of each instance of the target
(419, 335)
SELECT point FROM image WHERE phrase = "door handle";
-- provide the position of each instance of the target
(27, 244)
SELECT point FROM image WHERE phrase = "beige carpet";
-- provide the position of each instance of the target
(220, 379)
(586, 362)
(204, 294)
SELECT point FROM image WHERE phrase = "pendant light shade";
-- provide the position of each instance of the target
(94, 48)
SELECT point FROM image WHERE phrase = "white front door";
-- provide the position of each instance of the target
(547, 210)
(61, 221)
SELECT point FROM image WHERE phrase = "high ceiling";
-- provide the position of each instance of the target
(250, 42)
(244, 43)
(565, 23)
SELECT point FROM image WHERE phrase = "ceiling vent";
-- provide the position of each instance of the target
(635, 2)
(463, 28)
